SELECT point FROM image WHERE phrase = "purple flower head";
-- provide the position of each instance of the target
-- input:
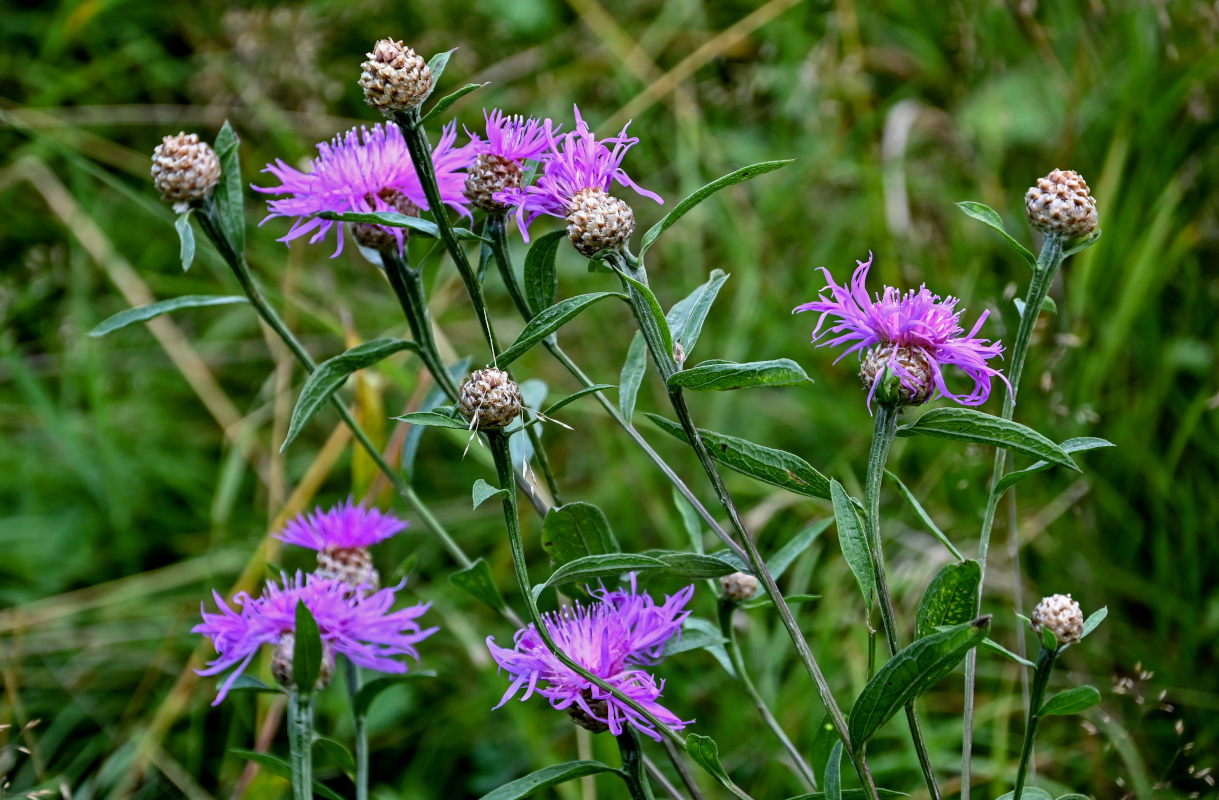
(622, 630)
(920, 321)
(574, 161)
(346, 526)
(358, 625)
(515, 137)
(363, 170)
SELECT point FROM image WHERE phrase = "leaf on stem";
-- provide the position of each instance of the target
(991, 644)
(1028, 793)
(541, 277)
(791, 550)
(186, 236)
(574, 396)
(719, 376)
(442, 105)
(1077, 445)
(969, 425)
(436, 64)
(678, 564)
(1071, 701)
(633, 370)
(369, 691)
(332, 373)
(337, 752)
(696, 633)
(434, 398)
(277, 766)
(1048, 305)
(546, 777)
(951, 598)
(483, 491)
(548, 322)
(476, 580)
(924, 516)
(988, 216)
(706, 753)
(1094, 619)
(833, 773)
(248, 683)
(655, 317)
(145, 313)
(306, 650)
(434, 419)
(687, 315)
(229, 193)
(853, 541)
(576, 530)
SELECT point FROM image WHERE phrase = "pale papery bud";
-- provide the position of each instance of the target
(349, 565)
(1062, 204)
(282, 663)
(913, 387)
(596, 221)
(490, 399)
(739, 586)
(1061, 616)
(395, 77)
(184, 169)
(492, 173)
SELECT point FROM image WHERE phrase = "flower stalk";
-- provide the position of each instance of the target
(1041, 679)
(360, 728)
(300, 742)
(407, 284)
(633, 768)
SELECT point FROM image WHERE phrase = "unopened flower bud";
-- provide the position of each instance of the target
(1061, 203)
(491, 174)
(184, 169)
(1061, 616)
(394, 78)
(378, 237)
(490, 399)
(596, 222)
(902, 375)
(738, 587)
(588, 723)
(282, 666)
(349, 565)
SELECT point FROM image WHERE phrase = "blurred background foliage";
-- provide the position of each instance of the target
(138, 471)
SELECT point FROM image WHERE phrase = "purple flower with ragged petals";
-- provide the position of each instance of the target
(364, 170)
(912, 335)
(622, 630)
(358, 625)
(346, 526)
(515, 137)
(575, 161)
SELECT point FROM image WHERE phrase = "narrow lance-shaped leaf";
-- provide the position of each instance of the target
(687, 315)
(229, 193)
(476, 579)
(727, 375)
(633, 370)
(924, 516)
(969, 425)
(369, 691)
(546, 777)
(655, 316)
(145, 313)
(853, 541)
(388, 219)
(776, 467)
(591, 568)
(1077, 445)
(833, 773)
(436, 64)
(951, 598)
(684, 207)
(337, 752)
(434, 419)
(1071, 701)
(548, 322)
(574, 396)
(186, 236)
(1094, 619)
(541, 277)
(706, 753)
(483, 491)
(307, 649)
(791, 550)
(277, 766)
(696, 633)
(442, 105)
(576, 530)
(907, 674)
(331, 374)
(988, 216)
(692, 565)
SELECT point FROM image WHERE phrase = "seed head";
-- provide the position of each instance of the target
(281, 662)
(184, 169)
(902, 376)
(1061, 203)
(490, 399)
(349, 565)
(596, 221)
(395, 78)
(738, 587)
(1061, 616)
(492, 173)
(380, 238)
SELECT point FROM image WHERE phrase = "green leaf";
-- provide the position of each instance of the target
(369, 691)
(548, 322)
(924, 516)
(833, 773)
(337, 753)
(186, 235)
(1049, 639)
(655, 317)
(776, 467)
(307, 649)
(706, 753)
(785, 555)
(819, 753)
(277, 766)
(1028, 793)
(434, 419)
(433, 399)
(248, 683)
(852, 794)
(907, 674)
(229, 195)
(1081, 244)
(436, 64)
(476, 579)
(1074, 796)
(331, 374)
(574, 396)
(546, 777)
(144, 313)
(590, 568)
(1076, 445)
(1047, 305)
(687, 315)
(726, 375)
(678, 564)
(991, 644)
(696, 633)
(968, 425)
(988, 216)
(541, 277)
(1094, 619)
(853, 541)
(682, 208)
(790, 599)
(388, 219)
(1071, 701)
(442, 105)
(951, 598)
(633, 370)
(576, 530)
(484, 491)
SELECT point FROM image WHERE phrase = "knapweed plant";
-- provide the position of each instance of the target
(587, 633)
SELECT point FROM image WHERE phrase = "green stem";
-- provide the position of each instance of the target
(300, 742)
(552, 482)
(407, 284)
(1041, 679)
(882, 441)
(626, 264)
(361, 730)
(799, 765)
(1048, 263)
(496, 231)
(633, 770)
(421, 156)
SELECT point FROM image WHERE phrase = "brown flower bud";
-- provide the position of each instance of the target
(1061, 203)
(378, 237)
(1061, 616)
(395, 78)
(739, 586)
(184, 169)
(350, 565)
(877, 370)
(282, 662)
(596, 221)
(490, 399)
(491, 174)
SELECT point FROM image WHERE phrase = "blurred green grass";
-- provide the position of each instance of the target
(122, 500)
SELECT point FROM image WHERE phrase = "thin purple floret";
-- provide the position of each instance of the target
(345, 526)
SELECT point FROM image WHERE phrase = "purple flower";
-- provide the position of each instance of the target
(622, 630)
(513, 137)
(574, 161)
(346, 526)
(920, 321)
(359, 625)
(364, 170)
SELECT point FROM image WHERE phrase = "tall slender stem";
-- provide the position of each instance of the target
(358, 721)
(496, 230)
(407, 284)
(799, 765)
(882, 441)
(1041, 679)
(300, 742)
(1048, 262)
(632, 765)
